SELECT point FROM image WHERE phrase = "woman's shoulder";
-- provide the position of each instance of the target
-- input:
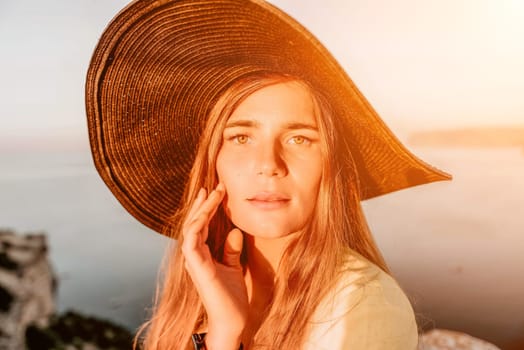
(366, 309)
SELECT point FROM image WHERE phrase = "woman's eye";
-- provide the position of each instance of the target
(240, 139)
(299, 140)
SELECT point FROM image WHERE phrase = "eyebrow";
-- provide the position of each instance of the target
(255, 124)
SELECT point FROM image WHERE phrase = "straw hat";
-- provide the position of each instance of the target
(160, 66)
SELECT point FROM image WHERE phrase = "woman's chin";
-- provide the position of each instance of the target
(267, 231)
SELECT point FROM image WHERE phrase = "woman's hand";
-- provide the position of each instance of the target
(221, 286)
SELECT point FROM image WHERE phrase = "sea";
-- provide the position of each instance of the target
(456, 247)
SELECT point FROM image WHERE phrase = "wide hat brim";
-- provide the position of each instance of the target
(160, 66)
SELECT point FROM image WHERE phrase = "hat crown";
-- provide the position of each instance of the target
(159, 68)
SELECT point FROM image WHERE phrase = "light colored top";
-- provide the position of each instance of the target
(366, 311)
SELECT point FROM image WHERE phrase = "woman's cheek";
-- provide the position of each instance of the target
(230, 168)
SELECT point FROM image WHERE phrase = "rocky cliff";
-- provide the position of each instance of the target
(27, 304)
(27, 286)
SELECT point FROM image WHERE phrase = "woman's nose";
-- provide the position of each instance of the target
(269, 160)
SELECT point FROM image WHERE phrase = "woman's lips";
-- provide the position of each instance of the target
(268, 200)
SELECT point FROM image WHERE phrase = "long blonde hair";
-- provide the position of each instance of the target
(336, 224)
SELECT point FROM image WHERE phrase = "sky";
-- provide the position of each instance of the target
(422, 64)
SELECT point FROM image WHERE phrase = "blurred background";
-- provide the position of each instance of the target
(448, 78)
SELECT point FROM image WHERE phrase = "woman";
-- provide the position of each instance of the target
(273, 251)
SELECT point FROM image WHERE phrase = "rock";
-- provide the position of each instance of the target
(27, 308)
(443, 339)
(73, 331)
(27, 286)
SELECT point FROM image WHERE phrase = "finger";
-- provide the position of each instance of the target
(206, 207)
(212, 202)
(233, 248)
(222, 189)
(198, 259)
(192, 234)
(205, 230)
(199, 199)
(196, 253)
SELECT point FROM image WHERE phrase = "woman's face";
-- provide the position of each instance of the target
(271, 161)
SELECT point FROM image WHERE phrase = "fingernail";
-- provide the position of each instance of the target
(220, 187)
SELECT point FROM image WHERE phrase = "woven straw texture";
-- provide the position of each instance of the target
(160, 66)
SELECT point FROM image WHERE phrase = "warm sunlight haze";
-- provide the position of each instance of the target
(447, 76)
(422, 64)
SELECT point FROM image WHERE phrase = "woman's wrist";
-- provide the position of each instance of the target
(204, 341)
(222, 341)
